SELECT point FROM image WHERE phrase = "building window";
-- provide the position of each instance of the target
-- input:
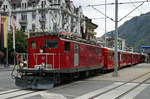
(33, 4)
(67, 46)
(50, 1)
(5, 7)
(24, 17)
(14, 6)
(23, 28)
(24, 5)
(33, 15)
(43, 26)
(58, 1)
(43, 4)
(33, 27)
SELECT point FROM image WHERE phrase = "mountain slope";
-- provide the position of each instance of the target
(136, 31)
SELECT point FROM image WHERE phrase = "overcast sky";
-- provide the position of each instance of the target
(123, 10)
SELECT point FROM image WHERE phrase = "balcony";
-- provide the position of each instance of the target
(23, 21)
(42, 19)
(91, 32)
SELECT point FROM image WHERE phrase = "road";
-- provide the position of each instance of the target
(98, 87)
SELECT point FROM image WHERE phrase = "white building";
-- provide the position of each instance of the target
(121, 43)
(44, 15)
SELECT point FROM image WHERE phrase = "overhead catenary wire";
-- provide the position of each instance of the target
(135, 6)
(122, 17)
(130, 12)
(121, 3)
(103, 14)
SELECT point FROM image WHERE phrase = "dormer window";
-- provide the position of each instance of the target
(24, 5)
(5, 7)
(33, 4)
(50, 1)
(14, 6)
(43, 4)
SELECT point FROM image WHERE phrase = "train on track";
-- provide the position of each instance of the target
(53, 59)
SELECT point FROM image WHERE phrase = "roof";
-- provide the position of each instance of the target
(145, 46)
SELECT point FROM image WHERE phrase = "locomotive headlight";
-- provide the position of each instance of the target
(43, 64)
(37, 67)
(21, 64)
(41, 50)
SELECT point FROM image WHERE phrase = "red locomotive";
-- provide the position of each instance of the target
(53, 59)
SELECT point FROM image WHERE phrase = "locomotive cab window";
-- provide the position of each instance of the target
(67, 46)
(100, 52)
(96, 51)
(51, 43)
(33, 44)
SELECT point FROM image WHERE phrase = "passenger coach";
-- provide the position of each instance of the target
(54, 58)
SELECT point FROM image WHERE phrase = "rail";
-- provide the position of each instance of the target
(126, 92)
(45, 55)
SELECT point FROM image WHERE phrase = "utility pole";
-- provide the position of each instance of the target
(105, 22)
(115, 73)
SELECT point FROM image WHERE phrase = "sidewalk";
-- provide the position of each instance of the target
(3, 68)
(125, 74)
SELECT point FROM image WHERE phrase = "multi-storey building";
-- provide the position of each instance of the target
(44, 15)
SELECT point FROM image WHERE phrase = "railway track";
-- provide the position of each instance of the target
(16, 93)
(100, 94)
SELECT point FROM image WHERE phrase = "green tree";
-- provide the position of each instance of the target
(21, 44)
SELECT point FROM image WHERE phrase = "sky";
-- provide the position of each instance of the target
(123, 10)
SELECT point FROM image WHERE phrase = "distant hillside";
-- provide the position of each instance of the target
(136, 31)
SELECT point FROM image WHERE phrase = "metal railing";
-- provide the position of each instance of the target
(49, 60)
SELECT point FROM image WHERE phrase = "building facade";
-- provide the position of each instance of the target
(44, 15)
(110, 43)
(88, 29)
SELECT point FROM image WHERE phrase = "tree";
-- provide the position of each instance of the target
(21, 42)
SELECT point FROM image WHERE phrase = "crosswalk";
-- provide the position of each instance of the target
(99, 93)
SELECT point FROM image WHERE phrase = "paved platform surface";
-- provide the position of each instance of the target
(90, 87)
(4, 68)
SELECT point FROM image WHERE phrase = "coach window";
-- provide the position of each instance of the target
(52, 43)
(33, 44)
(100, 52)
(109, 55)
(67, 46)
(120, 57)
(96, 51)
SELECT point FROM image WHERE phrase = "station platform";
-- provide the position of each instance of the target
(133, 82)
(125, 74)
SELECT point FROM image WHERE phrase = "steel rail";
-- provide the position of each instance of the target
(19, 90)
(11, 91)
(130, 81)
(125, 93)
(22, 95)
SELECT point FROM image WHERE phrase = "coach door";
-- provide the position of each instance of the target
(76, 54)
